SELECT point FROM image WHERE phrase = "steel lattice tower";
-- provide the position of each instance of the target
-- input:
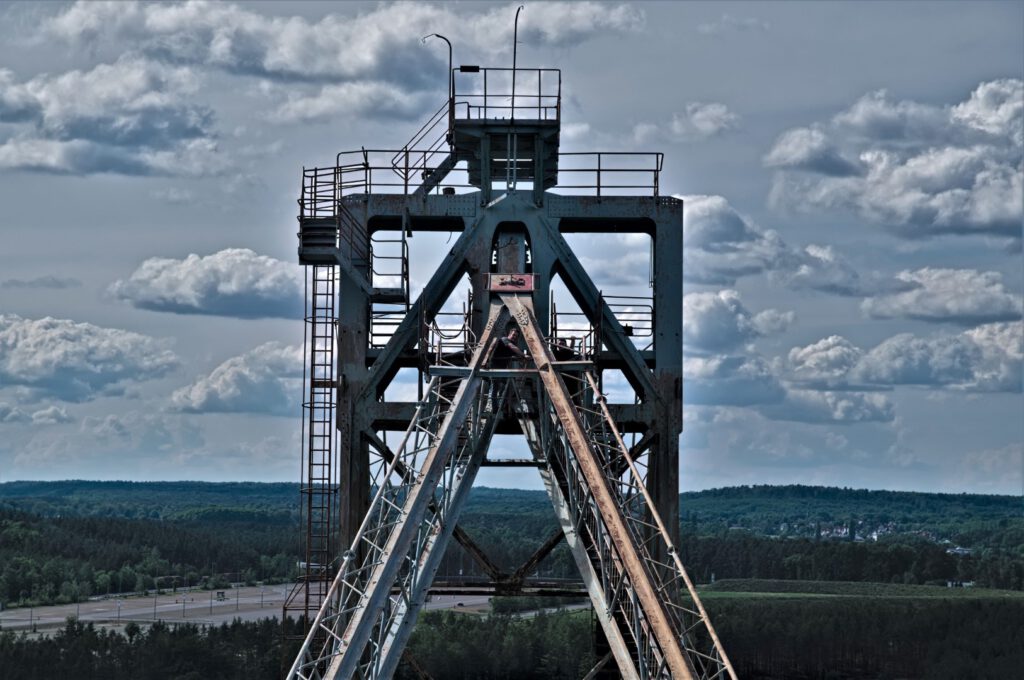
(379, 515)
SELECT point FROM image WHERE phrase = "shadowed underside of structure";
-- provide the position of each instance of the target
(378, 517)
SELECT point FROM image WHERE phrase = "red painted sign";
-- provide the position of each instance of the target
(510, 283)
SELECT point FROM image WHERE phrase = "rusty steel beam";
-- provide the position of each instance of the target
(541, 552)
(660, 627)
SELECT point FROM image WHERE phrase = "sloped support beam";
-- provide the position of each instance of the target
(641, 587)
(588, 297)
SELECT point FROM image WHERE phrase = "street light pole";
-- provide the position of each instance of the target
(451, 81)
(515, 51)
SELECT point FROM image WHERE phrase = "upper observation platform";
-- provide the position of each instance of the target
(500, 130)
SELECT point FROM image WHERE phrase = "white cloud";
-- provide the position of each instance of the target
(12, 414)
(702, 120)
(235, 282)
(828, 359)
(987, 358)
(963, 296)
(699, 120)
(719, 321)
(995, 107)
(381, 99)
(1001, 366)
(381, 43)
(134, 116)
(809, 149)
(730, 381)
(53, 415)
(266, 379)
(915, 169)
(720, 245)
(76, 361)
(46, 281)
(815, 406)
(727, 23)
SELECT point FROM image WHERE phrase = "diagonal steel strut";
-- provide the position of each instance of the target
(617, 524)
(647, 606)
(409, 521)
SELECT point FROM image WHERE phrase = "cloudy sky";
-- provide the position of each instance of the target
(853, 184)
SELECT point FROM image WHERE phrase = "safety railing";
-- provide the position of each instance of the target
(635, 313)
(505, 93)
(427, 148)
(320, 196)
(573, 331)
(451, 340)
(604, 172)
(390, 263)
(597, 173)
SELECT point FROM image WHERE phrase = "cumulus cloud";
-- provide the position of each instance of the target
(48, 281)
(988, 358)
(381, 99)
(12, 414)
(381, 43)
(844, 408)
(134, 116)
(698, 121)
(266, 379)
(235, 282)
(720, 246)
(76, 361)
(720, 321)
(830, 359)
(53, 415)
(730, 381)
(1001, 364)
(809, 149)
(963, 296)
(915, 169)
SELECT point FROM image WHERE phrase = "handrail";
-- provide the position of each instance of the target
(363, 171)
(545, 104)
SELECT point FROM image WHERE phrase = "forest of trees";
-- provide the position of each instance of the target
(63, 541)
(941, 638)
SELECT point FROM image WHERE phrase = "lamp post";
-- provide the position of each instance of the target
(515, 51)
(451, 81)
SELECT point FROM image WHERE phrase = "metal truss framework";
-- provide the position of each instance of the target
(488, 171)
(648, 608)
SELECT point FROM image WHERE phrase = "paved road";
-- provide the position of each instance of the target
(247, 603)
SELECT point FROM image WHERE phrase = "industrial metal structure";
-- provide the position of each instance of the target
(378, 515)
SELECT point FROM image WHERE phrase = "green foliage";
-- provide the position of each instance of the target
(156, 652)
(502, 647)
(67, 559)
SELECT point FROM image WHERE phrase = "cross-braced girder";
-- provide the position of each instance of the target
(362, 627)
(649, 609)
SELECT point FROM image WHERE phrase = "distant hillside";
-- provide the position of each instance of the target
(63, 540)
(151, 500)
(965, 520)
